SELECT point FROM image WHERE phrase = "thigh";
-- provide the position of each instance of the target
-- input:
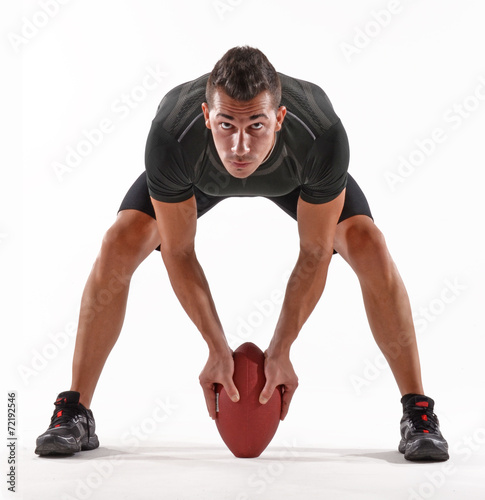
(131, 238)
(138, 198)
(355, 202)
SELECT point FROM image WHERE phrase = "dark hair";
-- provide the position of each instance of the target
(243, 73)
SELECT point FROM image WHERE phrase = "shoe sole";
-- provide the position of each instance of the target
(424, 450)
(52, 444)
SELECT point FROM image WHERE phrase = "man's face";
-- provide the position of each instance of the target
(244, 132)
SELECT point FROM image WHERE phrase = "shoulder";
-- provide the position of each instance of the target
(180, 107)
(308, 103)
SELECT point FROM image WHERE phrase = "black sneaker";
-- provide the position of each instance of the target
(72, 428)
(420, 430)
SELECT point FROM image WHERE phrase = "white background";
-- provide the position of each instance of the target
(401, 83)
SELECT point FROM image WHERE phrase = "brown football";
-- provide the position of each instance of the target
(247, 427)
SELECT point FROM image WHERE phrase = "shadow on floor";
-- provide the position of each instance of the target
(220, 453)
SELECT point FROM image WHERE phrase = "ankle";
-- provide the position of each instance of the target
(84, 397)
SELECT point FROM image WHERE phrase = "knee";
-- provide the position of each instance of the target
(367, 251)
(128, 241)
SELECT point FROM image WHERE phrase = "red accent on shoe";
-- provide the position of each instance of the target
(424, 430)
(59, 413)
(58, 425)
(424, 417)
(422, 403)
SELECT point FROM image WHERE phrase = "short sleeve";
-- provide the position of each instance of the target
(167, 176)
(325, 168)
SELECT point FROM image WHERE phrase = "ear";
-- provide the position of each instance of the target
(280, 116)
(205, 110)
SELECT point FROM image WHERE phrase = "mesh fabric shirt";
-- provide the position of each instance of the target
(311, 150)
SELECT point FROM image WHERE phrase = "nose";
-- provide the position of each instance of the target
(241, 146)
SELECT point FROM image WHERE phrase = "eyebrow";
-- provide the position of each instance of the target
(252, 117)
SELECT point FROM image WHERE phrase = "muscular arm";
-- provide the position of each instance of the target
(177, 227)
(177, 224)
(316, 226)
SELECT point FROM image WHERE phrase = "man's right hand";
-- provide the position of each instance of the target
(219, 369)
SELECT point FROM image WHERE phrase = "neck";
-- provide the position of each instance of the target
(271, 150)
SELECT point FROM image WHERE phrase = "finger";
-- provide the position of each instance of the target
(285, 401)
(231, 390)
(210, 399)
(267, 392)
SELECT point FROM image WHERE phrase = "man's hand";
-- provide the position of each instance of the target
(219, 369)
(279, 371)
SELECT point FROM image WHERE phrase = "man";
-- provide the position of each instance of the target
(245, 130)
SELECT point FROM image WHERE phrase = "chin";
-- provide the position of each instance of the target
(241, 173)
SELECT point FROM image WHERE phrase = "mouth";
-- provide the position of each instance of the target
(240, 164)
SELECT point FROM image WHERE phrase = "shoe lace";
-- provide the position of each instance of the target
(423, 419)
(65, 412)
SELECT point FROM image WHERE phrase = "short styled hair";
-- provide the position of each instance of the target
(243, 73)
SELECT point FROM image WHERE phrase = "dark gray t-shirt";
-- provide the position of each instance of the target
(311, 150)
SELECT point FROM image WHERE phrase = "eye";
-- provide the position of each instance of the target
(257, 126)
(226, 126)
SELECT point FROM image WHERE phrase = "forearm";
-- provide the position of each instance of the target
(305, 287)
(192, 289)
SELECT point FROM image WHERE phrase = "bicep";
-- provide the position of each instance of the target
(317, 224)
(177, 224)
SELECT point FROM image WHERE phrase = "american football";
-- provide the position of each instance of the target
(247, 427)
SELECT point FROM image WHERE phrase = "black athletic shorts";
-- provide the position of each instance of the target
(137, 198)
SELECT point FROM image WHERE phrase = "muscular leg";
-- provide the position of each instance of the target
(126, 244)
(362, 245)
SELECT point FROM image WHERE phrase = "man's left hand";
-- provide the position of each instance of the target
(279, 372)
